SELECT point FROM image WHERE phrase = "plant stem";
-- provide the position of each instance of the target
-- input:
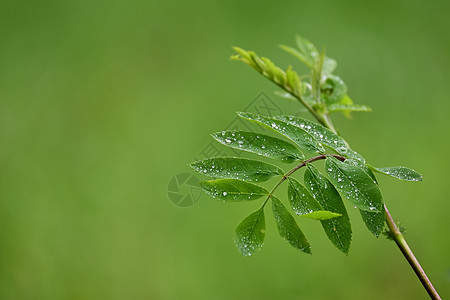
(399, 239)
(329, 124)
(409, 255)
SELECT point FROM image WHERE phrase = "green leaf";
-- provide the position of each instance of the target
(293, 81)
(270, 68)
(323, 135)
(244, 54)
(374, 221)
(329, 65)
(307, 93)
(303, 57)
(273, 72)
(250, 58)
(307, 48)
(289, 80)
(356, 156)
(333, 89)
(344, 101)
(319, 132)
(257, 61)
(288, 228)
(338, 230)
(304, 204)
(360, 163)
(259, 144)
(402, 173)
(321, 215)
(237, 168)
(355, 184)
(308, 54)
(299, 136)
(250, 233)
(347, 107)
(233, 190)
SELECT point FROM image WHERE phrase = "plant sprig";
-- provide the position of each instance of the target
(319, 197)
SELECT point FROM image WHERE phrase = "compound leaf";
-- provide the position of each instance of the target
(338, 230)
(288, 228)
(299, 136)
(259, 144)
(250, 233)
(237, 168)
(402, 173)
(233, 190)
(355, 184)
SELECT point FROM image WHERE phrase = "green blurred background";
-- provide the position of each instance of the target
(102, 102)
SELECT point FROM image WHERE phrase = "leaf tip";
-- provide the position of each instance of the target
(308, 250)
(242, 114)
(214, 135)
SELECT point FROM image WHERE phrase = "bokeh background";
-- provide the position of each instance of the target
(103, 102)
